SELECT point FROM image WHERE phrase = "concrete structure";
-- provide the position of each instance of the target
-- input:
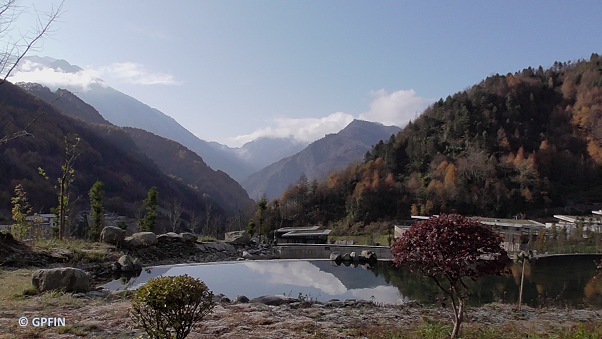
(322, 251)
(304, 235)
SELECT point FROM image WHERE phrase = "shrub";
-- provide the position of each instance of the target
(167, 307)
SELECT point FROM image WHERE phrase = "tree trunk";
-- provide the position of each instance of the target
(459, 317)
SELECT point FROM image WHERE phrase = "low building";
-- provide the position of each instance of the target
(571, 223)
(43, 220)
(303, 235)
(517, 234)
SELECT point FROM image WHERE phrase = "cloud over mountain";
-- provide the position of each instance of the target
(391, 109)
(305, 130)
(395, 108)
(35, 70)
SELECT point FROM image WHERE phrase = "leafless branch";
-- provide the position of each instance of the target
(16, 48)
(24, 131)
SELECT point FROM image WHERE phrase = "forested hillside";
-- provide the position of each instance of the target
(106, 153)
(182, 164)
(522, 143)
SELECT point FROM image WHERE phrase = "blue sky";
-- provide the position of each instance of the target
(230, 71)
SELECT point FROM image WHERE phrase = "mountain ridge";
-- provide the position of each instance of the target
(124, 110)
(333, 152)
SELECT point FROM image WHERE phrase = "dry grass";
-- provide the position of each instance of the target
(17, 295)
(429, 329)
(81, 250)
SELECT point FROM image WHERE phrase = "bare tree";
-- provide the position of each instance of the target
(67, 177)
(174, 212)
(16, 43)
(195, 221)
(209, 208)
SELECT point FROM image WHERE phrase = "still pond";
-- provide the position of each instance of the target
(560, 280)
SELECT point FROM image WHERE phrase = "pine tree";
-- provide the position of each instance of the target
(150, 219)
(96, 195)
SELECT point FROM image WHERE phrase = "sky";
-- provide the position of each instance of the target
(232, 71)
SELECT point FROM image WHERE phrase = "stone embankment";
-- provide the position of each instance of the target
(148, 249)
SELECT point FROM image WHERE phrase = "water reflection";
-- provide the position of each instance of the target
(570, 280)
(379, 294)
(299, 273)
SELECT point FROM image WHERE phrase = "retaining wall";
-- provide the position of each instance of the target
(322, 251)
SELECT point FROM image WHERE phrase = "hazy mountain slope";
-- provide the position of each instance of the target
(123, 110)
(319, 159)
(262, 152)
(177, 160)
(107, 153)
(66, 102)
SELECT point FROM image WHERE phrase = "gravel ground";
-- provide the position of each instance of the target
(111, 320)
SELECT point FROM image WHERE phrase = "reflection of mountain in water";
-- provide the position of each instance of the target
(352, 278)
(570, 280)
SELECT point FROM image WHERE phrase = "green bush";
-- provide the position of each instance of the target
(168, 307)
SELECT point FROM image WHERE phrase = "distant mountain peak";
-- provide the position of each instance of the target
(322, 157)
(56, 64)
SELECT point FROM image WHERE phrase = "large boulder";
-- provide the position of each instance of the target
(131, 242)
(112, 235)
(335, 256)
(170, 237)
(238, 237)
(66, 279)
(368, 256)
(146, 238)
(129, 264)
(189, 237)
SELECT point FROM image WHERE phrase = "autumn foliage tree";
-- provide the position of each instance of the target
(448, 249)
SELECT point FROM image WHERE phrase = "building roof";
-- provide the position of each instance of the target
(289, 229)
(302, 231)
(47, 215)
(307, 233)
(496, 221)
(573, 219)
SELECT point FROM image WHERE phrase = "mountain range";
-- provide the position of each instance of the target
(124, 111)
(264, 151)
(106, 153)
(319, 159)
(263, 166)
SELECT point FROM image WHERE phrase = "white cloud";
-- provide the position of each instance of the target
(304, 130)
(30, 71)
(300, 273)
(128, 72)
(396, 108)
(137, 74)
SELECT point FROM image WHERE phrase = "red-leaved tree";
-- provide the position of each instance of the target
(450, 248)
